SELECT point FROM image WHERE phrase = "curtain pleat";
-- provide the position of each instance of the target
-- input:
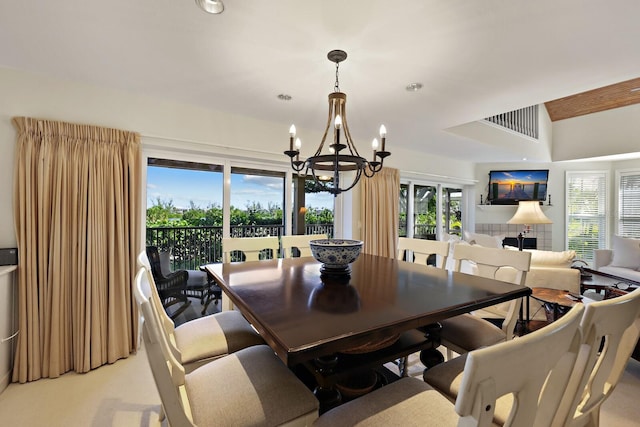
(379, 215)
(77, 216)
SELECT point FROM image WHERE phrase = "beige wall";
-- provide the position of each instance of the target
(605, 133)
(163, 124)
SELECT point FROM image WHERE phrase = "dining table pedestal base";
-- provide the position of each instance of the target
(431, 356)
(326, 392)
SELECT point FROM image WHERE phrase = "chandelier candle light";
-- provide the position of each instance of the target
(335, 161)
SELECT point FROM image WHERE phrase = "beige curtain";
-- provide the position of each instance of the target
(77, 217)
(379, 212)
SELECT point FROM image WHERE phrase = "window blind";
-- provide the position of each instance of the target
(586, 212)
(629, 204)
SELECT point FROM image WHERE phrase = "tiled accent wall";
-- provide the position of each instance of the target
(542, 232)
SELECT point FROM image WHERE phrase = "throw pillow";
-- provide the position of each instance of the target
(165, 262)
(484, 240)
(626, 252)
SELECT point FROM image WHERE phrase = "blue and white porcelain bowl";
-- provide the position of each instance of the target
(335, 254)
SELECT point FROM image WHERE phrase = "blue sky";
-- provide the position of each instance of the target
(205, 188)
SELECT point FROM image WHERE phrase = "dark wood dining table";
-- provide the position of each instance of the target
(304, 319)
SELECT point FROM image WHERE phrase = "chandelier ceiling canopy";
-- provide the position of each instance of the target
(341, 154)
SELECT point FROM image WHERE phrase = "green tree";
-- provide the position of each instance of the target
(161, 213)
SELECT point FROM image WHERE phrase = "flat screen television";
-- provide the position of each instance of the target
(510, 186)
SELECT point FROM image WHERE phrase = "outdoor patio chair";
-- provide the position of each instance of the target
(171, 287)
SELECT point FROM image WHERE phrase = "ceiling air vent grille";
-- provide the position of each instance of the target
(523, 121)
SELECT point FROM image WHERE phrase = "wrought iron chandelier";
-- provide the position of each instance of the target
(335, 159)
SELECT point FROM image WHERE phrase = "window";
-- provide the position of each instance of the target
(191, 205)
(629, 204)
(313, 209)
(404, 204)
(425, 209)
(452, 211)
(257, 202)
(587, 221)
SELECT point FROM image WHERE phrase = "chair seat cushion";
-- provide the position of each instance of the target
(197, 278)
(249, 387)
(470, 332)
(406, 402)
(214, 336)
(446, 378)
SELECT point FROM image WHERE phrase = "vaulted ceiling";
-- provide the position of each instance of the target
(474, 58)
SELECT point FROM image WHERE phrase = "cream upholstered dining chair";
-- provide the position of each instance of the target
(523, 376)
(201, 340)
(300, 242)
(250, 247)
(594, 376)
(249, 387)
(468, 332)
(420, 250)
(235, 248)
(610, 331)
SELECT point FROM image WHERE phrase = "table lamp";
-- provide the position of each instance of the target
(528, 213)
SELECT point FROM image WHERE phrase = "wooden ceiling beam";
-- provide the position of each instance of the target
(593, 101)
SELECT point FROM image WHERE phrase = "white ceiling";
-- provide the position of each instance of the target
(474, 58)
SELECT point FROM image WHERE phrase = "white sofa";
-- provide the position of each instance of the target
(549, 269)
(622, 260)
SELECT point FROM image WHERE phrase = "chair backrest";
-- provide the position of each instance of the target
(617, 322)
(251, 247)
(421, 249)
(488, 262)
(534, 368)
(167, 371)
(153, 258)
(168, 327)
(300, 242)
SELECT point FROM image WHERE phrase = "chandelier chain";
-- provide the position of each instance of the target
(336, 86)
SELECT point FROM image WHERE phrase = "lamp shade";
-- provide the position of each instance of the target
(529, 212)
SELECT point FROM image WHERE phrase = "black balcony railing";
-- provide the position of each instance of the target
(192, 247)
(420, 231)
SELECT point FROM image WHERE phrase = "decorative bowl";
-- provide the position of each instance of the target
(335, 254)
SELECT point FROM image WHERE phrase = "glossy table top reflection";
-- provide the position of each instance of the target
(301, 318)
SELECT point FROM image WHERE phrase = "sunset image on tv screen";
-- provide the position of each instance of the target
(518, 185)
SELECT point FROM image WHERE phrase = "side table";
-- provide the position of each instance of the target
(599, 281)
(556, 302)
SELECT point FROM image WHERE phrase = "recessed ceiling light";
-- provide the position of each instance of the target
(284, 97)
(211, 6)
(414, 87)
(635, 89)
